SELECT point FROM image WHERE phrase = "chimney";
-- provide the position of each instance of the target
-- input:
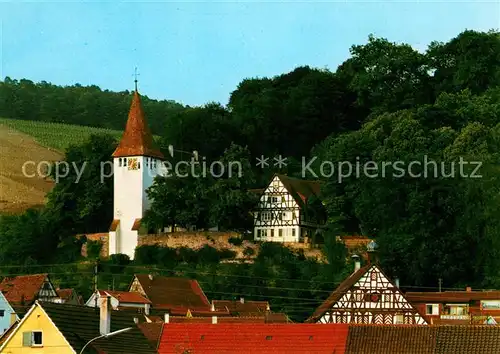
(242, 300)
(167, 317)
(396, 282)
(105, 315)
(212, 308)
(136, 320)
(150, 276)
(357, 263)
(214, 319)
(468, 289)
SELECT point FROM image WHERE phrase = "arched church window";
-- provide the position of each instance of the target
(120, 162)
(125, 161)
(138, 165)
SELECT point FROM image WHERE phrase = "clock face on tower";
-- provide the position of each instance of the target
(132, 164)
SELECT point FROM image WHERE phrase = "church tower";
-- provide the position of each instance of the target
(136, 162)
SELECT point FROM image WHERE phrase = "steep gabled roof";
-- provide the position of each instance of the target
(301, 190)
(347, 284)
(79, 324)
(249, 338)
(173, 292)
(137, 139)
(338, 293)
(23, 288)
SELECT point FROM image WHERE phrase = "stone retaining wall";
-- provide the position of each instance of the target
(196, 240)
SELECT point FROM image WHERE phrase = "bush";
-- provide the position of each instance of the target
(208, 254)
(249, 251)
(187, 255)
(227, 254)
(94, 249)
(147, 254)
(166, 257)
(236, 241)
(118, 262)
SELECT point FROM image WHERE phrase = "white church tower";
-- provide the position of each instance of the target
(136, 162)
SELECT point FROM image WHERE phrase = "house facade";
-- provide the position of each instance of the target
(368, 296)
(288, 210)
(7, 314)
(52, 328)
(458, 307)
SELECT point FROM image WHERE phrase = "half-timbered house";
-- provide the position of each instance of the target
(289, 210)
(367, 296)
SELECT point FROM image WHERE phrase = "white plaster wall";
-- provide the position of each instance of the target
(130, 202)
(287, 230)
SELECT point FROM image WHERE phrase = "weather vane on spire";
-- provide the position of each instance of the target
(135, 76)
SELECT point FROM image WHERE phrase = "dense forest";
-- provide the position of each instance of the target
(386, 103)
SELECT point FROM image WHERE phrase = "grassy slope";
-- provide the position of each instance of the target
(56, 135)
(23, 141)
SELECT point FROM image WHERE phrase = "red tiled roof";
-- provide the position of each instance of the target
(241, 308)
(253, 338)
(174, 292)
(269, 318)
(65, 294)
(137, 139)
(452, 296)
(22, 288)
(354, 241)
(125, 296)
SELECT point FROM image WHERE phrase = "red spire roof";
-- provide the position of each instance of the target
(137, 139)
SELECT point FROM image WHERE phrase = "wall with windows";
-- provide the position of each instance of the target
(277, 233)
(278, 215)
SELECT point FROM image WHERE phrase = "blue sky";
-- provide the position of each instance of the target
(196, 52)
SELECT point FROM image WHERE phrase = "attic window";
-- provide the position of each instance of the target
(32, 339)
(269, 337)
